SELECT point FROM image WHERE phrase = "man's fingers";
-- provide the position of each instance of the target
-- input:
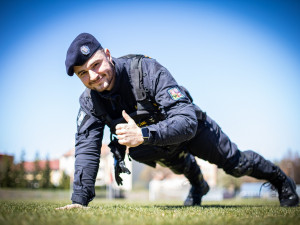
(121, 126)
(129, 125)
(127, 117)
(120, 131)
(122, 141)
(72, 206)
(129, 134)
(121, 137)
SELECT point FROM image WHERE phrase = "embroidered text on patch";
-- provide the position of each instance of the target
(175, 93)
(80, 117)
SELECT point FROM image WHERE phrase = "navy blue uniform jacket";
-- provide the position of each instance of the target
(179, 125)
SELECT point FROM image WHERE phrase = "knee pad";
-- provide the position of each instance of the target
(245, 165)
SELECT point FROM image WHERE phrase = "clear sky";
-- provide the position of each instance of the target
(239, 59)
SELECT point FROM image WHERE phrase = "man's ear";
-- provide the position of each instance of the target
(108, 55)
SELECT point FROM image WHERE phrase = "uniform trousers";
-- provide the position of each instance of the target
(211, 144)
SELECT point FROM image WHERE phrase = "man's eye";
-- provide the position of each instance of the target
(82, 74)
(95, 65)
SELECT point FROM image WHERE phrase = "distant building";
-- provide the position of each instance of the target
(105, 175)
(5, 159)
(167, 185)
(55, 175)
(209, 171)
(6, 163)
(67, 162)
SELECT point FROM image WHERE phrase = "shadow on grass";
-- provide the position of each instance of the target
(171, 207)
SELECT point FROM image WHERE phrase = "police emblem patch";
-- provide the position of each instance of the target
(85, 50)
(80, 117)
(175, 93)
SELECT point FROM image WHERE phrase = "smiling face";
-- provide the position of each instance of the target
(98, 73)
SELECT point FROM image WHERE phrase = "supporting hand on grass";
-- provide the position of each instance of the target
(72, 206)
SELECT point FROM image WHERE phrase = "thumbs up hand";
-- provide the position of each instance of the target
(129, 133)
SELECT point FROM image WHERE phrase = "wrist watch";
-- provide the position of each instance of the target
(145, 133)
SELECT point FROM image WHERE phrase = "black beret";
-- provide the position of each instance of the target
(80, 50)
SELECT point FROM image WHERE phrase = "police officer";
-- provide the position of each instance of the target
(171, 132)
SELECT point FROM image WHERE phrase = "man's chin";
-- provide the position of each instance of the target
(101, 88)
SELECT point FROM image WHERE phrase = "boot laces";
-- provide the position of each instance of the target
(267, 184)
(283, 190)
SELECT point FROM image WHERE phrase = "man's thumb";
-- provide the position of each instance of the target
(127, 117)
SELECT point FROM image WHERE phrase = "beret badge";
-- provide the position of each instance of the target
(85, 50)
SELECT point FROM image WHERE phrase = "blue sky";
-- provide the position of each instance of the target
(239, 59)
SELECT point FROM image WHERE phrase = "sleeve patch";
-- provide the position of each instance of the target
(175, 93)
(80, 117)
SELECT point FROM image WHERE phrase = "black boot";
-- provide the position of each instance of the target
(196, 193)
(199, 187)
(286, 188)
(254, 165)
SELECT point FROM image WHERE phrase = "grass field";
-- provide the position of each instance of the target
(233, 212)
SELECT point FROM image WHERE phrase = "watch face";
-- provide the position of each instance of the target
(145, 132)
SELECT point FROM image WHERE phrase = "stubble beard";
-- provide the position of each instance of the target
(107, 85)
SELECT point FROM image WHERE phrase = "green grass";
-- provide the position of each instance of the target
(239, 212)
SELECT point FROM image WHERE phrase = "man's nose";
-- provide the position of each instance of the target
(93, 75)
